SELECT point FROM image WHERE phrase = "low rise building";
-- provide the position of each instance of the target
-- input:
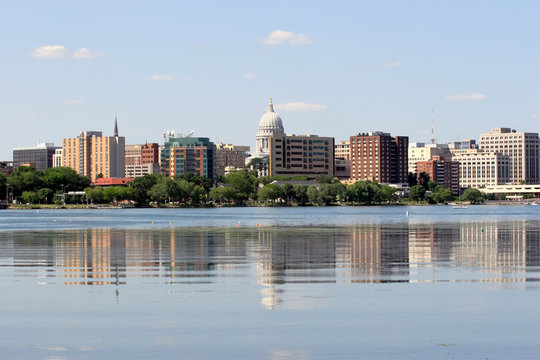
(39, 156)
(419, 151)
(478, 169)
(230, 156)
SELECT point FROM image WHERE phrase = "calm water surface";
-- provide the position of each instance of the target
(271, 283)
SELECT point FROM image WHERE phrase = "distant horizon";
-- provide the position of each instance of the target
(332, 69)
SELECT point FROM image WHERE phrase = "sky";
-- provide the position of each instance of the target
(332, 68)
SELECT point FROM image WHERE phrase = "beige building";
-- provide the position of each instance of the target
(230, 156)
(309, 155)
(133, 155)
(92, 154)
(343, 150)
(478, 169)
(133, 171)
(522, 151)
(424, 152)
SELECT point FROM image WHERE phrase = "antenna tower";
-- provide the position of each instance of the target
(432, 126)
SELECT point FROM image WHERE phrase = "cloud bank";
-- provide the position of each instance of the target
(466, 97)
(49, 52)
(391, 64)
(84, 53)
(162, 78)
(300, 106)
(278, 37)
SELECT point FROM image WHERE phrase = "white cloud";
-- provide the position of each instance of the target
(250, 76)
(162, 78)
(300, 106)
(391, 64)
(49, 52)
(84, 53)
(466, 97)
(278, 37)
(74, 102)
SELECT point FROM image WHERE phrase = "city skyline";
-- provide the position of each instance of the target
(332, 69)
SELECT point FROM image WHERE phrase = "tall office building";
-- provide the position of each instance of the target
(308, 155)
(377, 156)
(92, 154)
(39, 156)
(142, 159)
(189, 155)
(522, 150)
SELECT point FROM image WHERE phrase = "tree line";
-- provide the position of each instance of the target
(237, 188)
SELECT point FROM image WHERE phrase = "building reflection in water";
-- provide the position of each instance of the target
(502, 251)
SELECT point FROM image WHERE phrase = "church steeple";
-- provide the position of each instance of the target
(115, 125)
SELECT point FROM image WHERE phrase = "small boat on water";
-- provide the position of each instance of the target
(459, 206)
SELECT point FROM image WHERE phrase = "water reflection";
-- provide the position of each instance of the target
(274, 257)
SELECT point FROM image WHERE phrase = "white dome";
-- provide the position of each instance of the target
(270, 123)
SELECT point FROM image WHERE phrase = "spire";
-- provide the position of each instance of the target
(270, 106)
(115, 125)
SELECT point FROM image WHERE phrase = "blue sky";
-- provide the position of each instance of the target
(333, 68)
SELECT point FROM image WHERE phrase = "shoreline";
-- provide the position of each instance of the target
(109, 207)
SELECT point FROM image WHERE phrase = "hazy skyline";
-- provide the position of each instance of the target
(331, 68)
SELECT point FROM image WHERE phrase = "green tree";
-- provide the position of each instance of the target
(243, 182)
(423, 179)
(142, 186)
(362, 192)
(24, 178)
(3, 188)
(165, 190)
(45, 195)
(60, 178)
(223, 194)
(313, 195)
(270, 192)
(94, 194)
(324, 179)
(288, 191)
(417, 193)
(29, 197)
(332, 192)
(412, 179)
(300, 194)
(432, 185)
(474, 196)
(442, 195)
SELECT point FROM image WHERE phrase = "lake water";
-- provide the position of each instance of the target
(426, 282)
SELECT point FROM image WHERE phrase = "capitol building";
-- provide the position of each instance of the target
(269, 125)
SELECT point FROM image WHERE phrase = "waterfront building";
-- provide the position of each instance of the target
(419, 151)
(92, 154)
(308, 155)
(377, 156)
(522, 149)
(478, 169)
(182, 155)
(106, 181)
(133, 155)
(444, 173)
(342, 169)
(229, 156)
(39, 156)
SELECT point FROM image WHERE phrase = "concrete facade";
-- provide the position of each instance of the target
(522, 149)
